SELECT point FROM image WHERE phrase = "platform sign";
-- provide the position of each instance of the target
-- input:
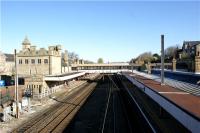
(2, 83)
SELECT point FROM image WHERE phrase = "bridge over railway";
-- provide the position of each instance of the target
(113, 67)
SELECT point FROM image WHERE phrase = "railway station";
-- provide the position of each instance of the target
(122, 89)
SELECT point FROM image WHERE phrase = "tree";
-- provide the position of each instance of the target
(100, 60)
(185, 55)
(71, 57)
(146, 57)
(133, 60)
(170, 52)
(88, 62)
(156, 58)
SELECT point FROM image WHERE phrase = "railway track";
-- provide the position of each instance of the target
(122, 112)
(111, 107)
(141, 116)
(111, 110)
(115, 116)
(118, 102)
(103, 112)
(107, 107)
(56, 118)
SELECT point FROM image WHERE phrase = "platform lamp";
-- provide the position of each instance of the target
(162, 60)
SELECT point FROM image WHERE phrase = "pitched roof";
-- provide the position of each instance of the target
(191, 42)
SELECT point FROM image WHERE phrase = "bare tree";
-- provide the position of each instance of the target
(146, 57)
(71, 57)
(171, 51)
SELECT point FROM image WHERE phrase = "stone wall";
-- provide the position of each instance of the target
(32, 69)
(38, 62)
(55, 66)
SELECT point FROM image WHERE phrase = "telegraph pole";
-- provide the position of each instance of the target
(16, 87)
(162, 60)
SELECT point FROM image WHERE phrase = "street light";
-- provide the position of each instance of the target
(162, 60)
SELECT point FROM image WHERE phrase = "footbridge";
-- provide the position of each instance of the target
(112, 67)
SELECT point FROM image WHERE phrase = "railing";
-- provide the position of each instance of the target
(104, 71)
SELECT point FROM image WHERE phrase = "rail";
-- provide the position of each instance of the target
(138, 106)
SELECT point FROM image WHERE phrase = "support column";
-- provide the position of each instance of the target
(174, 64)
(197, 64)
(149, 68)
(197, 59)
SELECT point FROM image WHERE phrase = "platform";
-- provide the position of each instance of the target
(183, 106)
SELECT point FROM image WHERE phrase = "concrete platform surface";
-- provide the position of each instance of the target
(184, 100)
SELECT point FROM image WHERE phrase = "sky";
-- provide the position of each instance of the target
(114, 30)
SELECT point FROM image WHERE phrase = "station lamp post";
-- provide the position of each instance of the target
(162, 60)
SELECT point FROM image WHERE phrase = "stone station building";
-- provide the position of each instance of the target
(34, 64)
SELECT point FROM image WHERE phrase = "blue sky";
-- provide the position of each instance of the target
(115, 30)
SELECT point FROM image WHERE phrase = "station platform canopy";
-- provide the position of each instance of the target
(63, 77)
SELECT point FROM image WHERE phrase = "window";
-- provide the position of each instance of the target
(20, 61)
(39, 61)
(33, 61)
(45, 61)
(26, 61)
(40, 89)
